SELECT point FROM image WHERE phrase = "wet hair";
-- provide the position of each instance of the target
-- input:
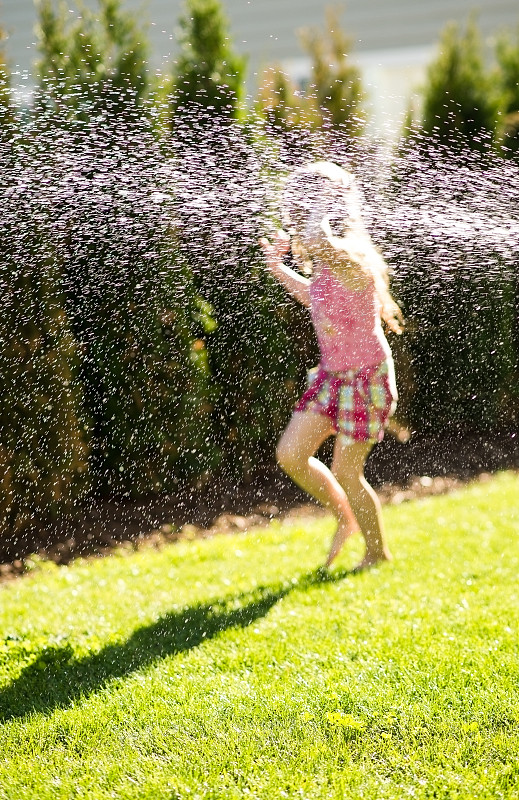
(299, 191)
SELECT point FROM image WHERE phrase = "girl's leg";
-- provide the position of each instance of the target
(303, 436)
(348, 467)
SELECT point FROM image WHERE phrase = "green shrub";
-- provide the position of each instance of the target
(44, 431)
(131, 301)
(208, 76)
(507, 83)
(95, 60)
(262, 341)
(459, 107)
(5, 95)
(507, 54)
(332, 98)
(462, 344)
(138, 321)
(253, 357)
(457, 293)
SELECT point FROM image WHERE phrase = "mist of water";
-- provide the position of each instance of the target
(217, 185)
(111, 208)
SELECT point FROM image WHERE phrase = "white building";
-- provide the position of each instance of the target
(392, 40)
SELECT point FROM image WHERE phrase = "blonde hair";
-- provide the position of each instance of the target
(365, 255)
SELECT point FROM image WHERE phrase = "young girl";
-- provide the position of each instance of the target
(352, 392)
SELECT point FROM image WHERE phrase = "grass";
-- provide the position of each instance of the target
(224, 668)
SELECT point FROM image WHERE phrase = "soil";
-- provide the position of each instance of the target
(399, 471)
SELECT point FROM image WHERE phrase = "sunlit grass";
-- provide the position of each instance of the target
(223, 668)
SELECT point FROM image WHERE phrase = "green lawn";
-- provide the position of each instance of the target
(222, 668)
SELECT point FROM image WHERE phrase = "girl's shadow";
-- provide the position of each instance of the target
(56, 677)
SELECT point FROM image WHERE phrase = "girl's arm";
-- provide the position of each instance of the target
(296, 285)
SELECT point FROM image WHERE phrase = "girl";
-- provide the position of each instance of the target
(352, 392)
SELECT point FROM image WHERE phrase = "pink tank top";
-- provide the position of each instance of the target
(347, 324)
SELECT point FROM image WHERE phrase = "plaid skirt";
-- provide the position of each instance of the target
(358, 402)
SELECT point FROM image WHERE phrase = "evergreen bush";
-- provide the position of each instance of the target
(331, 99)
(208, 76)
(262, 341)
(131, 301)
(91, 61)
(5, 95)
(459, 302)
(459, 104)
(135, 314)
(458, 297)
(254, 358)
(43, 425)
(507, 81)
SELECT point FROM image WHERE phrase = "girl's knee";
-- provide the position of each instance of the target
(350, 478)
(291, 458)
(348, 465)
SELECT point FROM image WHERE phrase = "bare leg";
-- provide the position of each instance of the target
(303, 436)
(348, 466)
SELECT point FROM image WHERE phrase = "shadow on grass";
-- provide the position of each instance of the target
(56, 678)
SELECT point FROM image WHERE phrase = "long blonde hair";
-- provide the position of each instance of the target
(365, 254)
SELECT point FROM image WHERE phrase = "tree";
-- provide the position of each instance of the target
(458, 298)
(334, 95)
(91, 60)
(208, 77)
(459, 108)
(5, 94)
(219, 194)
(43, 426)
(507, 78)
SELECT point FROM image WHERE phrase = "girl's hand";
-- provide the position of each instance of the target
(275, 250)
(326, 226)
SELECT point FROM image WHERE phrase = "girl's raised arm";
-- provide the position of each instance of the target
(295, 284)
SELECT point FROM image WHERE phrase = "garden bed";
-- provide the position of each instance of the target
(400, 471)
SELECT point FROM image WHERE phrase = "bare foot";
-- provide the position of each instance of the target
(343, 532)
(371, 559)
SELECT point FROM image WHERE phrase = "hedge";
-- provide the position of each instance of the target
(44, 443)
(144, 343)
